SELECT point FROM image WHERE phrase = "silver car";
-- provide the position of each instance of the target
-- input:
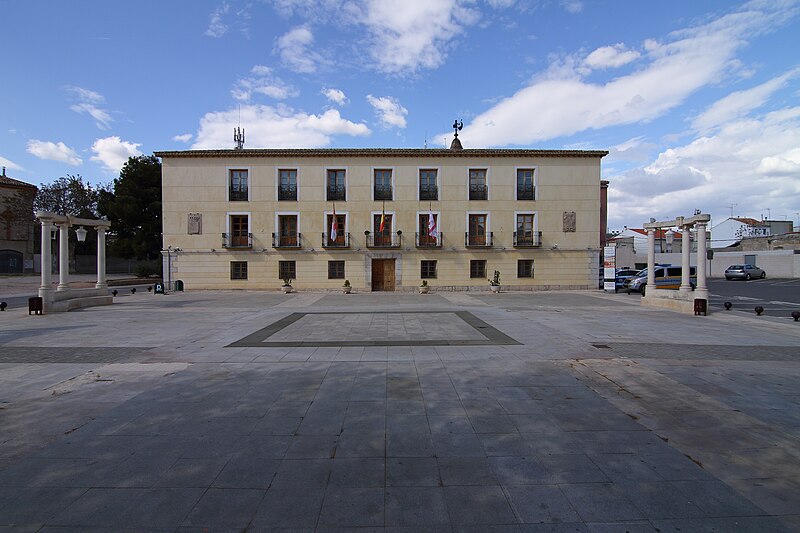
(744, 272)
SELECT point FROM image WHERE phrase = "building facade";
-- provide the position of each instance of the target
(246, 219)
(16, 225)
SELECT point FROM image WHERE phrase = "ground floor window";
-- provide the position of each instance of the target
(427, 269)
(525, 268)
(238, 269)
(335, 269)
(287, 269)
(477, 268)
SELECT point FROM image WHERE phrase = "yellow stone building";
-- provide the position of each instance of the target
(247, 218)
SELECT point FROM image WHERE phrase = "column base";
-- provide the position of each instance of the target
(100, 285)
(62, 287)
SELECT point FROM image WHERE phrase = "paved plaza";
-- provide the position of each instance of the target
(458, 411)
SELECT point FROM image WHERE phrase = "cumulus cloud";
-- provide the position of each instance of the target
(275, 127)
(113, 153)
(262, 81)
(295, 50)
(390, 112)
(54, 152)
(88, 102)
(335, 95)
(10, 164)
(562, 103)
(611, 57)
(183, 138)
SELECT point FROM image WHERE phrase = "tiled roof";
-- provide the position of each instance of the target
(660, 234)
(751, 221)
(5, 180)
(381, 152)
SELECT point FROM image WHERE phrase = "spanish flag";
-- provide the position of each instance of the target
(383, 219)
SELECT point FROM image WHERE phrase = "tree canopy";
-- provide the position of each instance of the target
(133, 206)
(69, 195)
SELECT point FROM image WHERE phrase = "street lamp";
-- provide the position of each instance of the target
(81, 233)
(670, 236)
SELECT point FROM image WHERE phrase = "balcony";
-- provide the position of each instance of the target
(426, 241)
(237, 241)
(385, 241)
(478, 240)
(526, 192)
(336, 192)
(342, 241)
(383, 193)
(237, 195)
(287, 193)
(428, 192)
(528, 239)
(478, 192)
(291, 240)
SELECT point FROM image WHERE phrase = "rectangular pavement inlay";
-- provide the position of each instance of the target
(407, 328)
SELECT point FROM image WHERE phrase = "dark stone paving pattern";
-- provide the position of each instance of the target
(51, 354)
(642, 350)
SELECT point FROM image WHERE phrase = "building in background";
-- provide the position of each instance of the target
(16, 225)
(384, 219)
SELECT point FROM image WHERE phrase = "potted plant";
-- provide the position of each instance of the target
(423, 288)
(346, 287)
(287, 285)
(495, 281)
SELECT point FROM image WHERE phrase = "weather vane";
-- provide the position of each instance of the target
(238, 137)
(458, 126)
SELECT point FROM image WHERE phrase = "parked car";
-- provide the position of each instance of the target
(621, 275)
(667, 277)
(744, 272)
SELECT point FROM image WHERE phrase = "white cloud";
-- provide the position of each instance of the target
(85, 95)
(562, 103)
(113, 153)
(753, 162)
(274, 127)
(335, 95)
(9, 164)
(183, 138)
(610, 57)
(263, 82)
(88, 101)
(389, 111)
(295, 50)
(572, 6)
(739, 103)
(54, 152)
(216, 26)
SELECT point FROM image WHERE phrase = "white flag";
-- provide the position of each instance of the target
(333, 225)
(432, 231)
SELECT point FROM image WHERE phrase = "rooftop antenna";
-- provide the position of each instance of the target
(238, 132)
(731, 207)
(426, 138)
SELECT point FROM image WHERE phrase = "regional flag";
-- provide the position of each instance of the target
(333, 225)
(432, 229)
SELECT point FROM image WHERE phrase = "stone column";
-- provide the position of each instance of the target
(46, 258)
(101, 258)
(702, 288)
(651, 261)
(63, 257)
(686, 251)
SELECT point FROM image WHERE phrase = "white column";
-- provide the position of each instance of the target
(46, 258)
(63, 257)
(686, 250)
(702, 288)
(101, 258)
(651, 261)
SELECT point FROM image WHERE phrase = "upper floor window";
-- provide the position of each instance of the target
(287, 237)
(238, 235)
(478, 190)
(238, 187)
(287, 184)
(336, 186)
(428, 188)
(525, 236)
(383, 184)
(525, 190)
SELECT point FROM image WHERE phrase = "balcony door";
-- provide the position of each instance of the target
(340, 234)
(383, 238)
(239, 230)
(477, 230)
(288, 230)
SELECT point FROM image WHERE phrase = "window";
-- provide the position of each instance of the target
(335, 269)
(524, 235)
(382, 238)
(239, 236)
(238, 269)
(476, 236)
(477, 184)
(237, 185)
(383, 185)
(336, 185)
(287, 231)
(341, 239)
(428, 190)
(424, 236)
(477, 268)
(287, 185)
(525, 268)
(525, 189)
(427, 269)
(287, 269)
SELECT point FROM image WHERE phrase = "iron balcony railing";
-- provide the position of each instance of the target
(237, 241)
(287, 193)
(336, 192)
(422, 240)
(478, 240)
(290, 240)
(528, 239)
(526, 192)
(383, 193)
(428, 192)
(478, 192)
(342, 241)
(237, 195)
(385, 241)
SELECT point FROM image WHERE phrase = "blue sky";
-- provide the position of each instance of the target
(696, 101)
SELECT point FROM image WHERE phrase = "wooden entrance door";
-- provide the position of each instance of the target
(383, 274)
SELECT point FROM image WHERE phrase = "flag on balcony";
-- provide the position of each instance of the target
(432, 230)
(383, 220)
(333, 224)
